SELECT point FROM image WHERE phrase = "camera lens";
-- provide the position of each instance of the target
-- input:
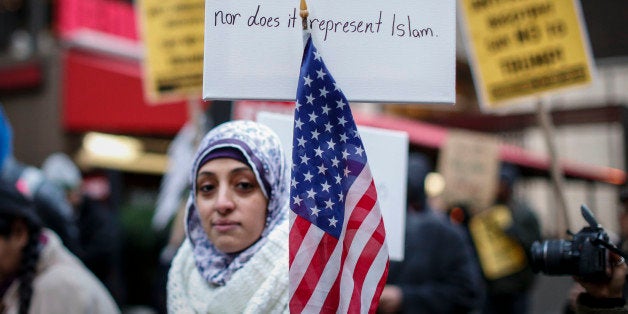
(552, 257)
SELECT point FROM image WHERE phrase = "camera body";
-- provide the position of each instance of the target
(585, 256)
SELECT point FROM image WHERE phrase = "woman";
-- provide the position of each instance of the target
(235, 256)
(37, 273)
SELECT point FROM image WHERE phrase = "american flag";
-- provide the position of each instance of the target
(338, 251)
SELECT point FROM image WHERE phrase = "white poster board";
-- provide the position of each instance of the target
(387, 153)
(378, 51)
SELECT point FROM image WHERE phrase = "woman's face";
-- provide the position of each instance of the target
(231, 204)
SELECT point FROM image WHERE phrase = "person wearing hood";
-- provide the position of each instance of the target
(235, 255)
(37, 273)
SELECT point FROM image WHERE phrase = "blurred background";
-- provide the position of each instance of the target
(71, 81)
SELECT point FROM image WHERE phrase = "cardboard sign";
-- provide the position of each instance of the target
(387, 153)
(172, 32)
(523, 48)
(469, 163)
(378, 51)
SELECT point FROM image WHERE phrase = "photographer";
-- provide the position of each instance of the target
(607, 296)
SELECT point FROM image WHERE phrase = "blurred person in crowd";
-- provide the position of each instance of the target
(37, 273)
(50, 203)
(99, 238)
(439, 273)
(606, 297)
(235, 255)
(622, 244)
(509, 293)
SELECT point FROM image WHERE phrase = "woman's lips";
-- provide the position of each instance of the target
(224, 226)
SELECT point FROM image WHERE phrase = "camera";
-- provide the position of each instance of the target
(585, 256)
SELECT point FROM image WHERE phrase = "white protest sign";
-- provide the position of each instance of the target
(378, 51)
(387, 153)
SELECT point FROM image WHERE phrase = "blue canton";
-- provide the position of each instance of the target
(327, 152)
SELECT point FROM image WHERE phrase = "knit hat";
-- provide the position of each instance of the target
(13, 203)
(62, 171)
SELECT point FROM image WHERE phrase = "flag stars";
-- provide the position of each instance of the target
(321, 74)
(317, 55)
(342, 121)
(323, 92)
(313, 116)
(294, 183)
(298, 124)
(305, 159)
(308, 177)
(315, 134)
(297, 105)
(331, 144)
(326, 109)
(318, 152)
(338, 178)
(296, 200)
(315, 211)
(347, 172)
(329, 204)
(310, 99)
(359, 150)
(332, 222)
(310, 193)
(343, 137)
(328, 127)
(341, 104)
(307, 80)
(322, 169)
(345, 154)
(325, 187)
(334, 162)
(301, 141)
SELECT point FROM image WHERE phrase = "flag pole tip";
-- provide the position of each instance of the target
(304, 14)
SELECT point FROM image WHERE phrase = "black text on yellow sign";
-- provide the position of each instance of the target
(173, 37)
(525, 47)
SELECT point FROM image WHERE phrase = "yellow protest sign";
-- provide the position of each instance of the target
(525, 47)
(499, 254)
(172, 32)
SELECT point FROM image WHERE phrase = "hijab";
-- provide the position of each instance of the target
(262, 150)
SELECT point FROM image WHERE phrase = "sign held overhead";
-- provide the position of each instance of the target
(394, 51)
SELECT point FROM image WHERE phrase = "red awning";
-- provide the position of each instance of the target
(433, 137)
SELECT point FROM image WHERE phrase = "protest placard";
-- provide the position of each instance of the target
(172, 32)
(392, 51)
(523, 48)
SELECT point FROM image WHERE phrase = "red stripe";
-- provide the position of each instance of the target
(297, 234)
(313, 273)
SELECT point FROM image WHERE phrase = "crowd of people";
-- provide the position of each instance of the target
(58, 247)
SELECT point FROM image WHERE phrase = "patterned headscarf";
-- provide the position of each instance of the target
(264, 154)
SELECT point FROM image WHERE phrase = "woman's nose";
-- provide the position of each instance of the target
(224, 201)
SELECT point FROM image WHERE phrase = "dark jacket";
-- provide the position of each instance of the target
(439, 273)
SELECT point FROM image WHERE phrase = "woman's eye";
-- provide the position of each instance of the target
(205, 188)
(246, 186)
